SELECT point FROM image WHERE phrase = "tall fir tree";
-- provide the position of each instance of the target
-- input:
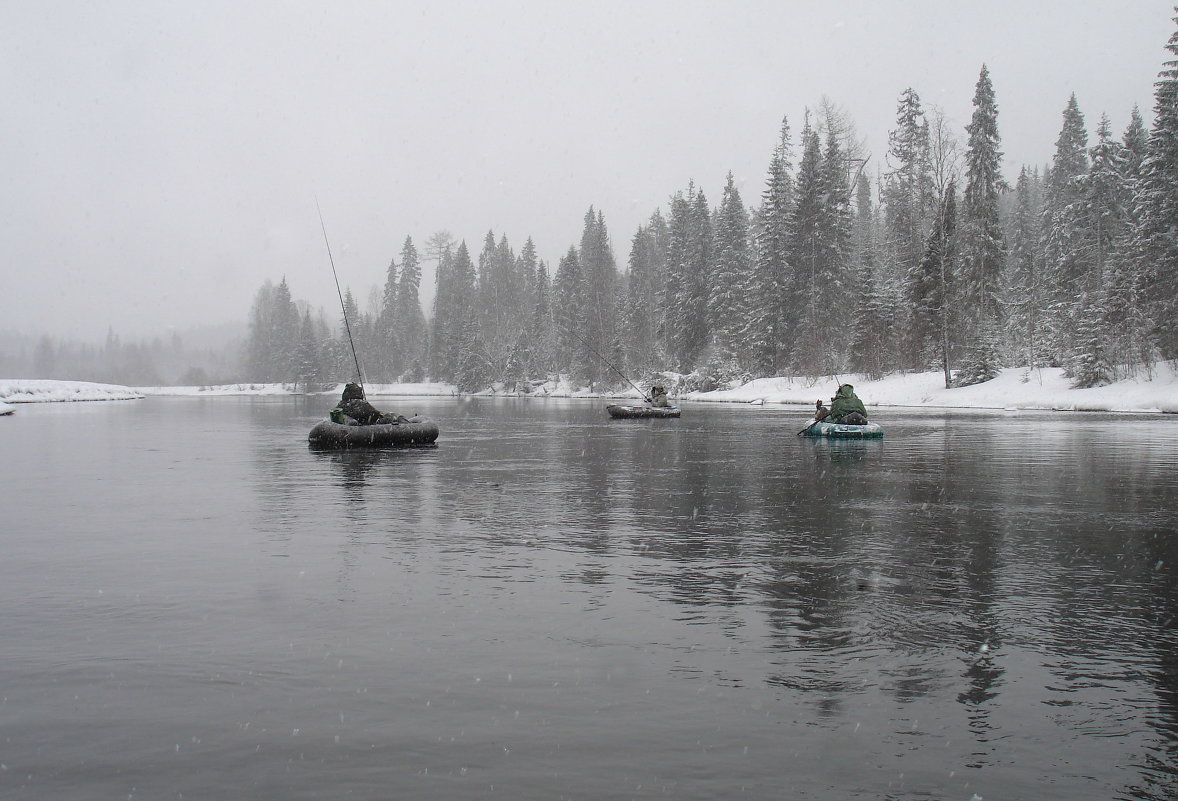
(470, 361)
(807, 335)
(730, 280)
(409, 320)
(932, 293)
(688, 246)
(1156, 240)
(1068, 244)
(309, 359)
(387, 352)
(498, 300)
(908, 191)
(643, 315)
(1026, 294)
(600, 274)
(766, 327)
(1130, 342)
(441, 363)
(274, 334)
(542, 334)
(570, 315)
(455, 328)
(349, 346)
(982, 246)
(870, 346)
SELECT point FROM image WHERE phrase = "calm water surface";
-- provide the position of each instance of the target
(553, 605)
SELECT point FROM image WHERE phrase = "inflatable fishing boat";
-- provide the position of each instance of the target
(843, 431)
(416, 431)
(619, 412)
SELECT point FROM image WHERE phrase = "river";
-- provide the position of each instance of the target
(553, 605)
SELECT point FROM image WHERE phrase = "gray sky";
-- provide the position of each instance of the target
(163, 159)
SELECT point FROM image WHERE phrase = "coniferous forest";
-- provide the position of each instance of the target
(927, 259)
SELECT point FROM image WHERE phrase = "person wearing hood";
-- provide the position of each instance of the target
(353, 409)
(846, 408)
(658, 397)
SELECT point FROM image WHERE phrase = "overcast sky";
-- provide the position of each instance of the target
(161, 160)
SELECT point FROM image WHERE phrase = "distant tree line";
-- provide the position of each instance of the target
(155, 362)
(928, 261)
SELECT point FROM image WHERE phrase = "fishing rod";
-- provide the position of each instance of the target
(343, 306)
(607, 361)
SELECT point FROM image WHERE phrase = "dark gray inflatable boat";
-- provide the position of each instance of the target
(416, 431)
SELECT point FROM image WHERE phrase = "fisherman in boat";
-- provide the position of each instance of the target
(354, 410)
(658, 397)
(846, 408)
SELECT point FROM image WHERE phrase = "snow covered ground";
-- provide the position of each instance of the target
(40, 391)
(1015, 388)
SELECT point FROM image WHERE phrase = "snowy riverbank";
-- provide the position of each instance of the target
(1015, 388)
(14, 390)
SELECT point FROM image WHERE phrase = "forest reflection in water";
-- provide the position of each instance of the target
(552, 603)
(970, 557)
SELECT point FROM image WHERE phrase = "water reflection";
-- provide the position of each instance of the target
(553, 605)
(1016, 568)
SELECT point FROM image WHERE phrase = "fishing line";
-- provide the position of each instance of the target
(343, 306)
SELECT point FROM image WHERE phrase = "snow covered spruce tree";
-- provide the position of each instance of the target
(730, 280)
(312, 367)
(454, 341)
(643, 313)
(808, 299)
(1102, 211)
(872, 348)
(1156, 240)
(836, 232)
(817, 294)
(570, 315)
(1025, 287)
(471, 370)
(766, 327)
(386, 361)
(1130, 340)
(982, 246)
(932, 293)
(600, 275)
(499, 298)
(541, 328)
(275, 327)
(688, 247)
(1068, 247)
(908, 194)
(522, 361)
(349, 335)
(409, 329)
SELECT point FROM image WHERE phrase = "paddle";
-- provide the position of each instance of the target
(807, 428)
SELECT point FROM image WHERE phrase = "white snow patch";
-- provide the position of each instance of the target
(1013, 388)
(42, 391)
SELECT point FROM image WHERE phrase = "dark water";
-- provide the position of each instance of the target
(553, 605)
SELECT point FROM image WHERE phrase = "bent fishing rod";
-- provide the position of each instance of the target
(343, 306)
(593, 350)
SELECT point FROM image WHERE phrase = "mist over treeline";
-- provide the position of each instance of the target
(200, 356)
(934, 261)
(926, 257)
